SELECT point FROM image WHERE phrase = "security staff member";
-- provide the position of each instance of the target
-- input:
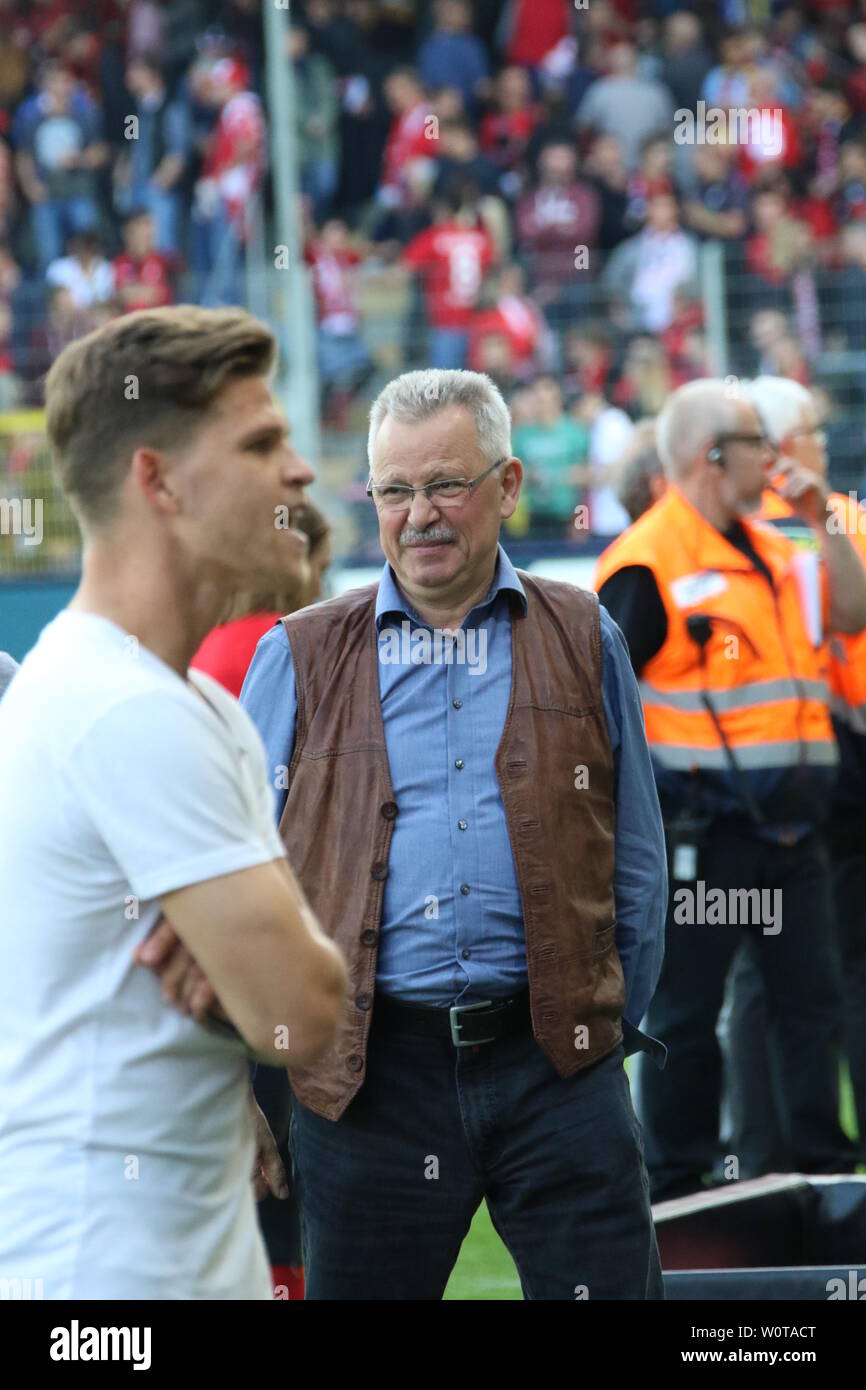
(744, 755)
(789, 415)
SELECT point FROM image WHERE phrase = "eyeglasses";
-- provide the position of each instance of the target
(815, 431)
(442, 492)
(759, 440)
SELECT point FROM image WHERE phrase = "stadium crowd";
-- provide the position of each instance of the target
(526, 164)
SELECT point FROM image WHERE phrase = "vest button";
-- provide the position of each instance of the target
(389, 810)
(458, 763)
(354, 1063)
(363, 1002)
(462, 825)
(379, 871)
(458, 703)
(369, 937)
(464, 889)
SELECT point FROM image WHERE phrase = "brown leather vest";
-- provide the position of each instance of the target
(555, 771)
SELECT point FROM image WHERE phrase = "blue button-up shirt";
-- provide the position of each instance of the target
(452, 925)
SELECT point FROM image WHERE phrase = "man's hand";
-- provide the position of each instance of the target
(268, 1175)
(804, 491)
(184, 983)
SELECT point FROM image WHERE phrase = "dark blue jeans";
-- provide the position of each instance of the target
(387, 1193)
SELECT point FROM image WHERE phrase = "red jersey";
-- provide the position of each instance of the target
(453, 260)
(226, 652)
(235, 156)
(410, 137)
(516, 319)
(335, 300)
(155, 270)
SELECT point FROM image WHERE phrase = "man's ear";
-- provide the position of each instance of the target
(152, 474)
(512, 480)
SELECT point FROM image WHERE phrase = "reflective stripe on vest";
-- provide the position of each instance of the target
(750, 757)
(740, 697)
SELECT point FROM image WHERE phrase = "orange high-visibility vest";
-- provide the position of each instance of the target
(846, 652)
(760, 670)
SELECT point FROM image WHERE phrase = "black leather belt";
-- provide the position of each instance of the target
(465, 1025)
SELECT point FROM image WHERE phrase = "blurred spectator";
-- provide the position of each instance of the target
(605, 169)
(654, 174)
(414, 133)
(452, 257)
(779, 241)
(143, 275)
(230, 177)
(588, 359)
(317, 114)
(646, 380)
(493, 353)
(515, 317)
(850, 199)
(641, 477)
(553, 448)
(559, 214)
(343, 360)
(63, 322)
(149, 172)
(453, 55)
(84, 271)
(626, 105)
(531, 29)
(715, 201)
(652, 266)
(60, 146)
(609, 432)
(506, 129)
(686, 58)
(458, 158)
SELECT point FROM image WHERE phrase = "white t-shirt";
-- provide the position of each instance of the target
(126, 1143)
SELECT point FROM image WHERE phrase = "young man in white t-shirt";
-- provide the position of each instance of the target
(134, 788)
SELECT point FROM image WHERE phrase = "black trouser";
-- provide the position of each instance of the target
(679, 1107)
(751, 1047)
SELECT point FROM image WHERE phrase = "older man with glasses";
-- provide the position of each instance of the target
(738, 722)
(484, 840)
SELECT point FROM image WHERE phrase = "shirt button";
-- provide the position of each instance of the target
(466, 954)
(354, 1063)
(462, 825)
(389, 810)
(363, 1002)
(369, 937)
(458, 703)
(464, 889)
(379, 871)
(458, 763)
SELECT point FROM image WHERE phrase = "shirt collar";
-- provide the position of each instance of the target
(390, 597)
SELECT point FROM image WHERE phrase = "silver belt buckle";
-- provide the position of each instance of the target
(456, 1026)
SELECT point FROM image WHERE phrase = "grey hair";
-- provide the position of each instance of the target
(780, 403)
(416, 396)
(691, 418)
